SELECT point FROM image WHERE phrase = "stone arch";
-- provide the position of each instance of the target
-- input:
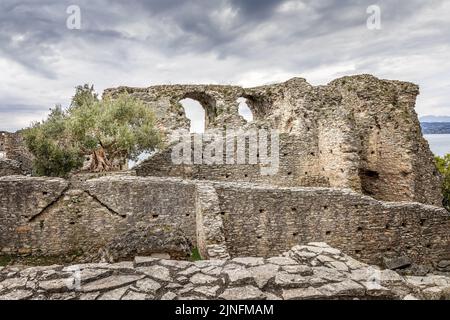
(244, 110)
(208, 103)
(195, 113)
(258, 104)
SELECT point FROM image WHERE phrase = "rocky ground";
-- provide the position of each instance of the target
(314, 271)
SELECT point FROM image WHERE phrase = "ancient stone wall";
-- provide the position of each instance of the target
(14, 157)
(83, 220)
(264, 221)
(118, 216)
(9, 167)
(291, 149)
(357, 132)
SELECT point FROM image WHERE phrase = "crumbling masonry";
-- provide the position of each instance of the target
(355, 172)
(357, 132)
(14, 158)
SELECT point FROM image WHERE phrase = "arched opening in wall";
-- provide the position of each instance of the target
(196, 114)
(244, 110)
(200, 108)
(259, 105)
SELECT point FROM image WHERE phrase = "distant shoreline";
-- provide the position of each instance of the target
(435, 127)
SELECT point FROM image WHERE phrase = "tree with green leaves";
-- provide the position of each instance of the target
(443, 165)
(108, 130)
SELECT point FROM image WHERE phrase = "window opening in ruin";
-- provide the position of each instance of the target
(196, 114)
(259, 105)
(244, 110)
(2, 155)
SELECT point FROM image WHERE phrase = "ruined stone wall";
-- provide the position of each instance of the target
(9, 168)
(291, 150)
(396, 162)
(357, 132)
(14, 157)
(117, 216)
(264, 221)
(80, 220)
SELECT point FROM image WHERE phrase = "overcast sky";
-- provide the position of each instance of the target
(141, 43)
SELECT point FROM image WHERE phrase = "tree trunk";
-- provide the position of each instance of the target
(100, 162)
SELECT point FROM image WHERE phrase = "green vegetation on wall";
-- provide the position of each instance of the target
(443, 165)
(195, 255)
(109, 132)
(5, 260)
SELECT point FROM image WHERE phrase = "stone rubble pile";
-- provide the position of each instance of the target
(313, 271)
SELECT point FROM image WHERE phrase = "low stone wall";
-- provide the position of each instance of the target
(315, 271)
(264, 220)
(118, 217)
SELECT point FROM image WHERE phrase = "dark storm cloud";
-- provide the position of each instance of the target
(30, 31)
(200, 31)
(256, 9)
(127, 42)
(26, 19)
(198, 24)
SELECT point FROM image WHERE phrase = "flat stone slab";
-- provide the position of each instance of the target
(148, 285)
(144, 261)
(156, 272)
(17, 295)
(111, 282)
(243, 293)
(57, 285)
(302, 294)
(200, 278)
(250, 262)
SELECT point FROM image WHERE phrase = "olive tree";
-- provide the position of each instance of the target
(110, 129)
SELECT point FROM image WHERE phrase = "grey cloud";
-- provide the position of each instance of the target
(215, 40)
(17, 116)
(199, 31)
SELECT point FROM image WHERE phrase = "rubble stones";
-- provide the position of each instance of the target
(283, 277)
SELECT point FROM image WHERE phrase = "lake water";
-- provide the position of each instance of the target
(439, 143)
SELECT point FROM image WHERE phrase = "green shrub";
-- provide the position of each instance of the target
(443, 165)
